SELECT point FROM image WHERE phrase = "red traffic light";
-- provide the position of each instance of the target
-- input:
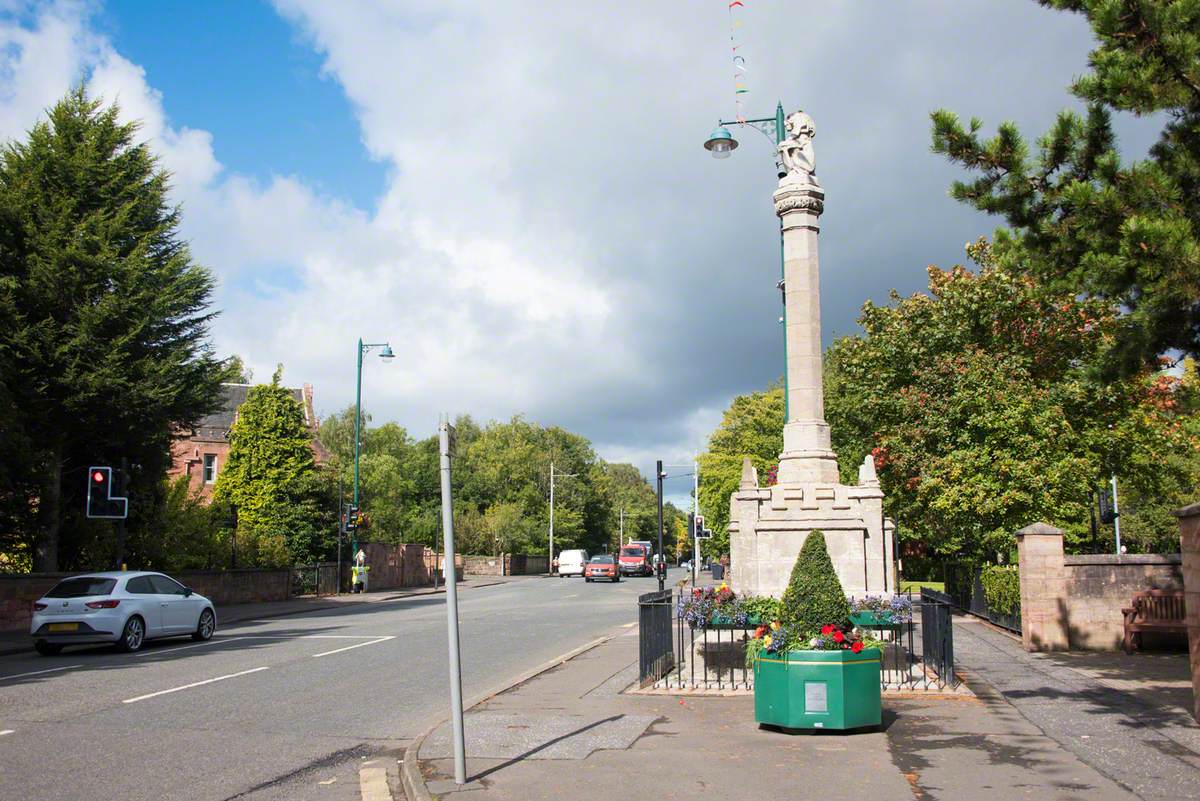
(98, 476)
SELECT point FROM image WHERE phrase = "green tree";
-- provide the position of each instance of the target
(980, 412)
(1079, 218)
(751, 427)
(103, 324)
(814, 595)
(286, 512)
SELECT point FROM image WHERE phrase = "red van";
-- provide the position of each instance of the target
(635, 561)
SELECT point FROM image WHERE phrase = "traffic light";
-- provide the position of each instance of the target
(101, 501)
(701, 532)
(352, 518)
(1107, 515)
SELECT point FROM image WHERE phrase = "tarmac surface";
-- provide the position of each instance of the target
(280, 708)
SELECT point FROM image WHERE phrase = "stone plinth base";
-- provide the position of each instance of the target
(1189, 541)
(768, 526)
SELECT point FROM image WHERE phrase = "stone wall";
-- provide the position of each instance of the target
(19, 591)
(483, 565)
(521, 564)
(396, 566)
(1189, 542)
(1075, 602)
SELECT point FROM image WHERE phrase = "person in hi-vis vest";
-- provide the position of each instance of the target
(358, 572)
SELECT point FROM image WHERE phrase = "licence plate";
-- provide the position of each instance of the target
(64, 627)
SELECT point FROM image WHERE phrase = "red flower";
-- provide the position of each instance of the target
(827, 628)
(838, 636)
(759, 632)
(856, 647)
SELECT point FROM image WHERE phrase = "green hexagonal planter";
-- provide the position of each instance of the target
(818, 689)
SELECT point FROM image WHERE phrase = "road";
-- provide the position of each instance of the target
(279, 709)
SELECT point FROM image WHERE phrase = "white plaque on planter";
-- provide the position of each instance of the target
(815, 702)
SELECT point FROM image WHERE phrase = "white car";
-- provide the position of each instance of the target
(570, 563)
(126, 608)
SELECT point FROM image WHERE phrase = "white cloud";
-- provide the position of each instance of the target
(552, 239)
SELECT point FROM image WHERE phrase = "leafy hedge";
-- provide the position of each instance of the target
(814, 596)
(1002, 589)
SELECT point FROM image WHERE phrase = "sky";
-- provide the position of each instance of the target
(515, 196)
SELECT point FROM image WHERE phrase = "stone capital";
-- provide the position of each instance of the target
(1039, 530)
(799, 197)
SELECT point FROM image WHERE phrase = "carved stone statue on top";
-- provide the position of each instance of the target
(796, 150)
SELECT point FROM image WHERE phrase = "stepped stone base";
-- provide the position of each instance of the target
(768, 526)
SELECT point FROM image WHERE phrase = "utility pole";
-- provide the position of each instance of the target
(550, 558)
(337, 582)
(661, 573)
(446, 441)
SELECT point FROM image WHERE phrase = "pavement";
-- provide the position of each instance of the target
(1094, 727)
(318, 704)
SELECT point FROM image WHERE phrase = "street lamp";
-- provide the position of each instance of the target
(386, 355)
(721, 144)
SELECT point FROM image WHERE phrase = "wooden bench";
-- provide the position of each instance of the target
(1153, 610)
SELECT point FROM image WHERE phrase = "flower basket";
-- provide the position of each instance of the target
(885, 619)
(826, 689)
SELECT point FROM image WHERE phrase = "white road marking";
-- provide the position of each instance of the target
(628, 625)
(576, 595)
(39, 672)
(193, 684)
(352, 647)
(372, 784)
(213, 641)
(6, 731)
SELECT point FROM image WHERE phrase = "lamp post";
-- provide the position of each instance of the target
(721, 143)
(387, 355)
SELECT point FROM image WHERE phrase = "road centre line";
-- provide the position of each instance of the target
(39, 672)
(352, 647)
(193, 684)
(6, 731)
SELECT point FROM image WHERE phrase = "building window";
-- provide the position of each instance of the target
(210, 468)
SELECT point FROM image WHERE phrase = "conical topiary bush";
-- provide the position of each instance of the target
(814, 594)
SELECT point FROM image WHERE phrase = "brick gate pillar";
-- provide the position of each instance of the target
(1189, 548)
(1044, 626)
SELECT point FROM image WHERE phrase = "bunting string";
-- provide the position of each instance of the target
(736, 9)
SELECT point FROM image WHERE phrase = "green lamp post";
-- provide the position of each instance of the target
(721, 144)
(387, 355)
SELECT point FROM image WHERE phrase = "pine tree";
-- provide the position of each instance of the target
(1079, 218)
(814, 595)
(103, 323)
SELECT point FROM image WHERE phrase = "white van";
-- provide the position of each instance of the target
(570, 563)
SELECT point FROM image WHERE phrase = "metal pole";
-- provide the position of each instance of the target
(337, 583)
(661, 576)
(121, 522)
(456, 709)
(550, 558)
(357, 440)
(780, 133)
(1116, 514)
(696, 513)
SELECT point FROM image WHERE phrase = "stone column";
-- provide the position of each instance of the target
(1044, 626)
(1189, 548)
(807, 452)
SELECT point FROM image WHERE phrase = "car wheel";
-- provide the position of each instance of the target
(588, 580)
(133, 635)
(47, 648)
(205, 627)
(616, 579)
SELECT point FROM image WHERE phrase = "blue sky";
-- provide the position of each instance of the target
(515, 196)
(239, 70)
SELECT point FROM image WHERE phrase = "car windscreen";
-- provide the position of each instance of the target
(79, 587)
(632, 552)
(602, 560)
